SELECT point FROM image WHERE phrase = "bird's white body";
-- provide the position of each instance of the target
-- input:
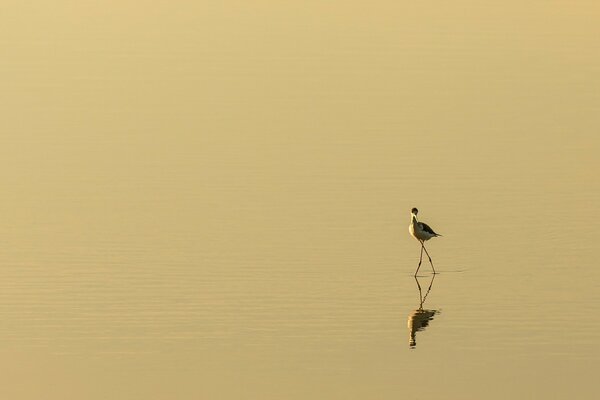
(419, 230)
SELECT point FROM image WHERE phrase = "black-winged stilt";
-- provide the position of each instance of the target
(422, 232)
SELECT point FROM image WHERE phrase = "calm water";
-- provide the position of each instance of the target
(212, 200)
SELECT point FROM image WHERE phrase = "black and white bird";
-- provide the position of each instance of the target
(422, 232)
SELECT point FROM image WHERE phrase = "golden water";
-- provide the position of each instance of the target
(211, 200)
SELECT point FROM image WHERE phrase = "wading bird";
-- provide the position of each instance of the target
(422, 232)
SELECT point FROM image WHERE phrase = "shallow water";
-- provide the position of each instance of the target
(212, 201)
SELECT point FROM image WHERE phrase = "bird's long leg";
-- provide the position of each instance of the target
(420, 259)
(430, 262)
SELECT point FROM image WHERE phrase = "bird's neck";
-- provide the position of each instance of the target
(414, 219)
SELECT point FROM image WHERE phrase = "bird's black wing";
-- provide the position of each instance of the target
(428, 229)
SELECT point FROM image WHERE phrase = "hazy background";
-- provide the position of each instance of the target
(211, 199)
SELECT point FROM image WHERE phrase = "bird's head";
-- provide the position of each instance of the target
(414, 211)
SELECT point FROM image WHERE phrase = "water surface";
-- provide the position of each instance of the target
(212, 200)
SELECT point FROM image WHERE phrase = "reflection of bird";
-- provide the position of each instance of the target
(422, 232)
(419, 319)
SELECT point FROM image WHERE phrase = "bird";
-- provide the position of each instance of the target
(422, 232)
